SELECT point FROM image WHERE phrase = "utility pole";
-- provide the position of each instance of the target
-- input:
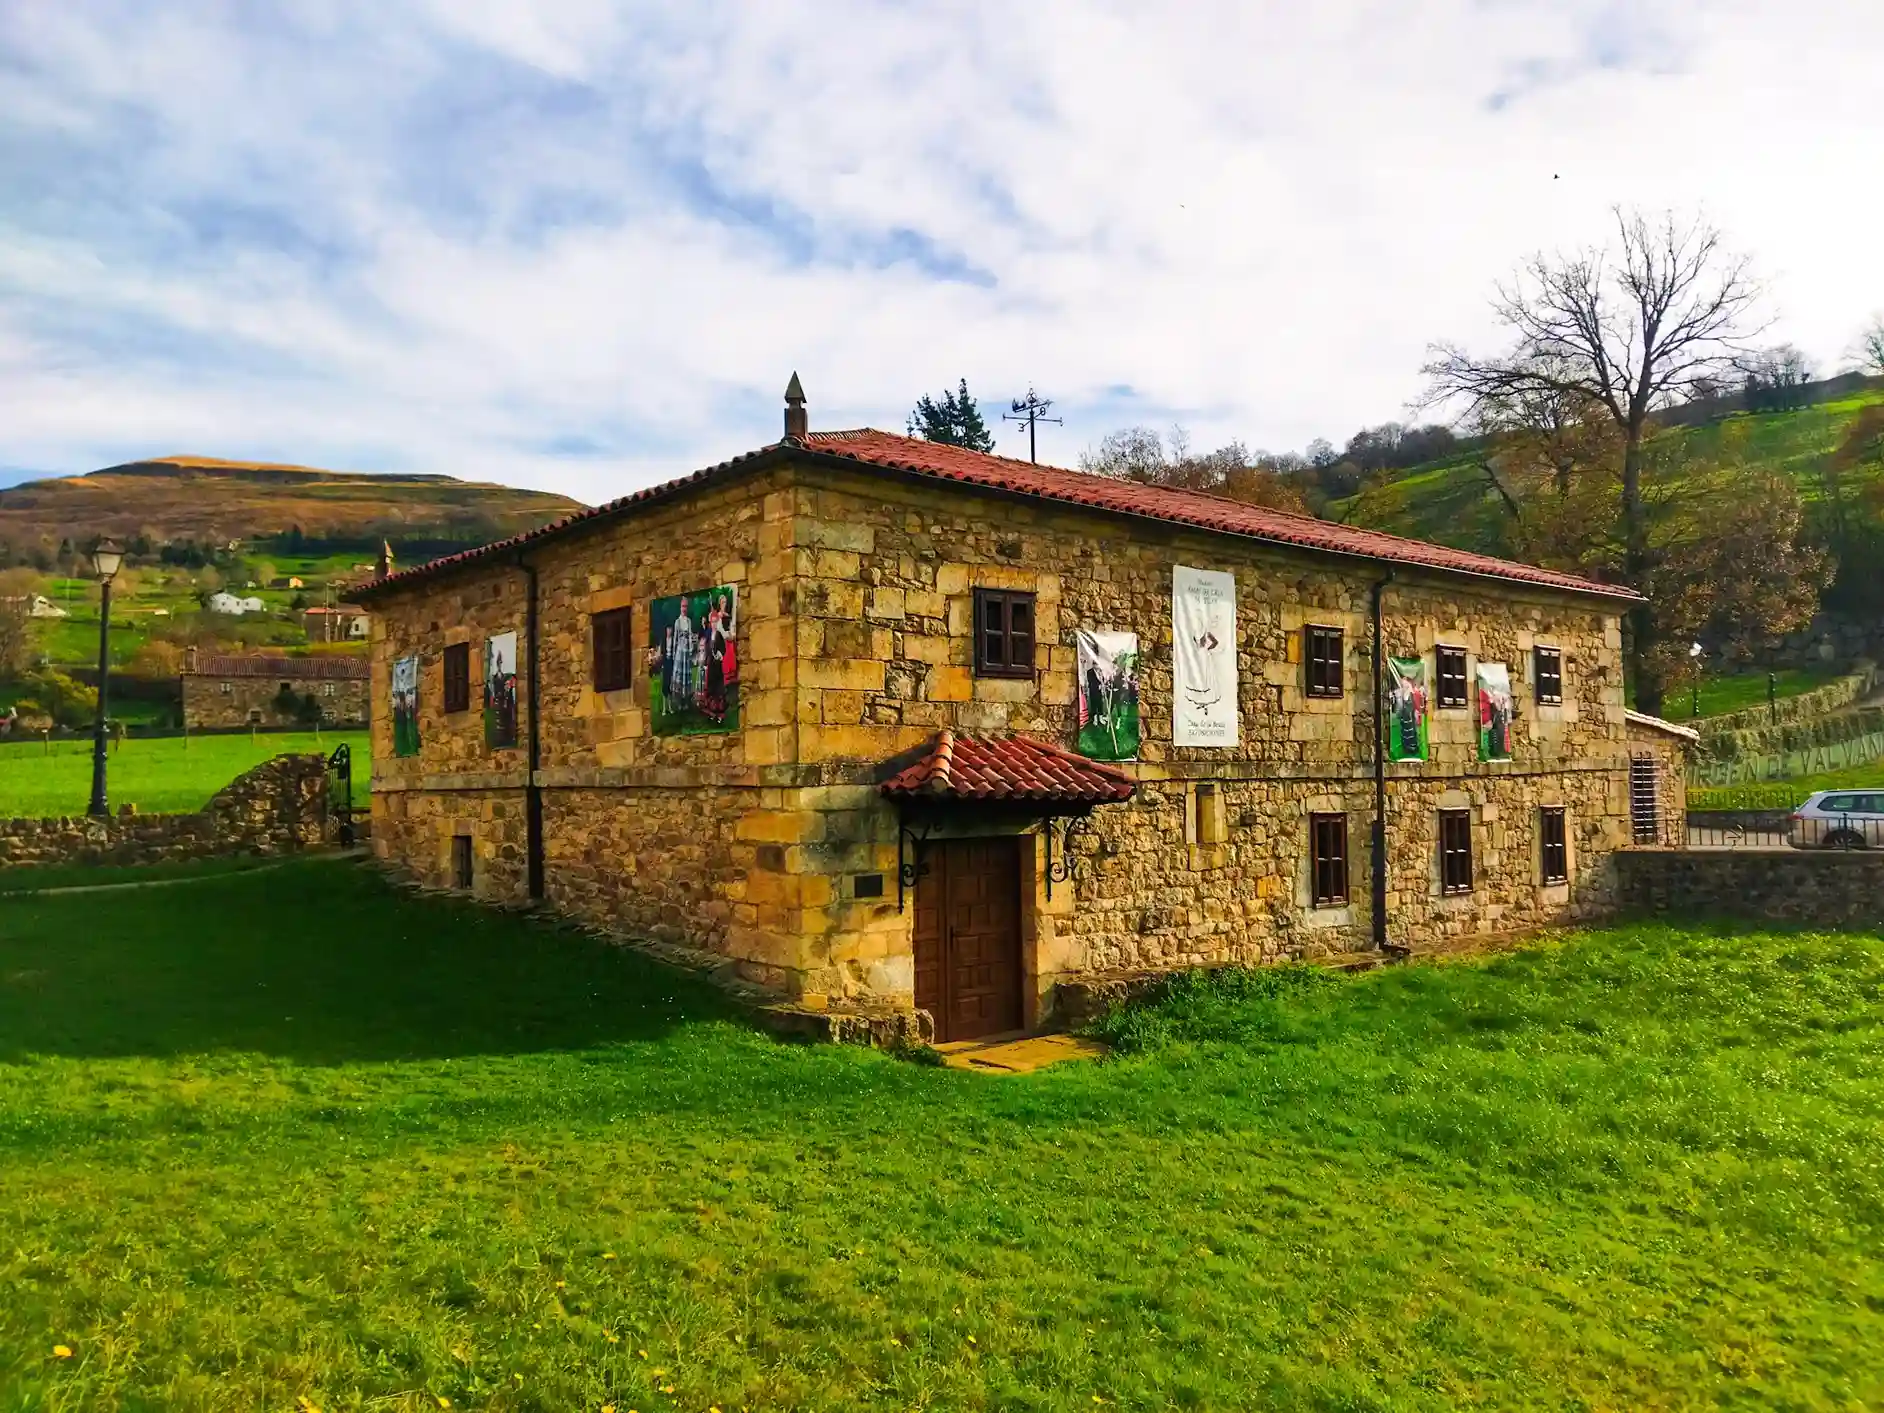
(1032, 410)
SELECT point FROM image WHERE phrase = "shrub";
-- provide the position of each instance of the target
(65, 700)
(1231, 1005)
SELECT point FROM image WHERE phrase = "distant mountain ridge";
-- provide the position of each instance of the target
(209, 500)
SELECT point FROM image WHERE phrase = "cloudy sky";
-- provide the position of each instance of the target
(582, 245)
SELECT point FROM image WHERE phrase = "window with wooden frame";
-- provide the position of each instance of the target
(1455, 851)
(458, 677)
(1553, 837)
(1328, 844)
(1004, 633)
(1548, 667)
(461, 861)
(1321, 652)
(1449, 676)
(609, 638)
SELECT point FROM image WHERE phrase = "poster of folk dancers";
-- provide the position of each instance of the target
(693, 662)
(405, 706)
(500, 691)
(1108, 695)
(1495, 711)
(1407, 703)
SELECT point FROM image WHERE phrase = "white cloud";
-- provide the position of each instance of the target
(469, 237)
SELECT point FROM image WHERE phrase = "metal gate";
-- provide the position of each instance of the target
(340, 793)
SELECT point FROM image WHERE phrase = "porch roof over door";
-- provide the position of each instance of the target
(1005, 770)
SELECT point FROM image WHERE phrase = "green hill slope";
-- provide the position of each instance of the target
(1453, 503)
(206, 501)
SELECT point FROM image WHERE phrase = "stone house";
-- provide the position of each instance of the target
(268, 689)
(878, 803)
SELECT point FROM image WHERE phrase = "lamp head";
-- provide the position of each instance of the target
(106, 558)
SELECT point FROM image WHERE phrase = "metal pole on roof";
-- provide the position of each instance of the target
(1032, 410)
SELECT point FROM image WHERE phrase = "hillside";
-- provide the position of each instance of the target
(200, 499)
(1451, 501)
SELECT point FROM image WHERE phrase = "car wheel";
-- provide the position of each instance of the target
(1844, 839)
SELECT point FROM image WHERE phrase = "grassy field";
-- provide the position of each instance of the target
(292, 1139)
(1725, 693)
(1452, 503)
(164, 776)
(1785, 794)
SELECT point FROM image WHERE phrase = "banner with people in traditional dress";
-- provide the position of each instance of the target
(1407, 704)
(500, 691)
(405, 706)
(694, 662)
(1496, 711)
(1203, 657)
(1108, 695)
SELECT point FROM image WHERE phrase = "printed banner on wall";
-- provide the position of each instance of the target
(1495, 711)
(1407, 702)
(405, 706)
(1108, 695)
(694, 683)
(1203, 657)
(500, 691)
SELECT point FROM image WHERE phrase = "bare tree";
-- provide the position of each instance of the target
(1622, 331)
(1141, 454)
(1871, 346)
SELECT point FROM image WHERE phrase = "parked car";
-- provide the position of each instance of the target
(1839, 819)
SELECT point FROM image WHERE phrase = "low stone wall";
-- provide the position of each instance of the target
(278, 807)
(1792, 711)
(1817, 888)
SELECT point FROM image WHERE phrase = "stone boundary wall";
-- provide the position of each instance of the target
(1814, 888)
(278, 807)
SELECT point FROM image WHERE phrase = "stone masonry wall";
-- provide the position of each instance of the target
(854, 646)
(1810, 887)
(660, 835)
(278, 807)
(234, 701)
(885, 617)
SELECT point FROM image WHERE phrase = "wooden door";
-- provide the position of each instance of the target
(967, 937)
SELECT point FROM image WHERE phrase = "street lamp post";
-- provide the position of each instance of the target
(106, 557)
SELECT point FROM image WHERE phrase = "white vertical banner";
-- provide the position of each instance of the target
(1203, 657)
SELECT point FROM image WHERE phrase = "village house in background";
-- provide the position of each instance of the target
(223, 690)
(43, 607)
(895, 726)
(344, 623)
(234, 605)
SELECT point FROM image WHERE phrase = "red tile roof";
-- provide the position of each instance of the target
(1197, 509)
(326, 668)
(1011, 768)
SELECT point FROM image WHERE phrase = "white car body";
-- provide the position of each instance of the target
(1839, 819)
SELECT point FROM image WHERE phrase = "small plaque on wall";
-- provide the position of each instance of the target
(867, 885)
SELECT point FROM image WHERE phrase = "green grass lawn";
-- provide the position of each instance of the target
(293, 1138)
(162, 776)
(1738, 691)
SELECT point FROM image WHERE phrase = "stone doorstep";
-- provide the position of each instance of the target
(1018, 1052)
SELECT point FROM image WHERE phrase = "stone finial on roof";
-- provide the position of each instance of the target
(797, 422)
(384, 569)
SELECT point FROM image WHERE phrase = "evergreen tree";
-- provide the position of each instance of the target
(954, 420)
